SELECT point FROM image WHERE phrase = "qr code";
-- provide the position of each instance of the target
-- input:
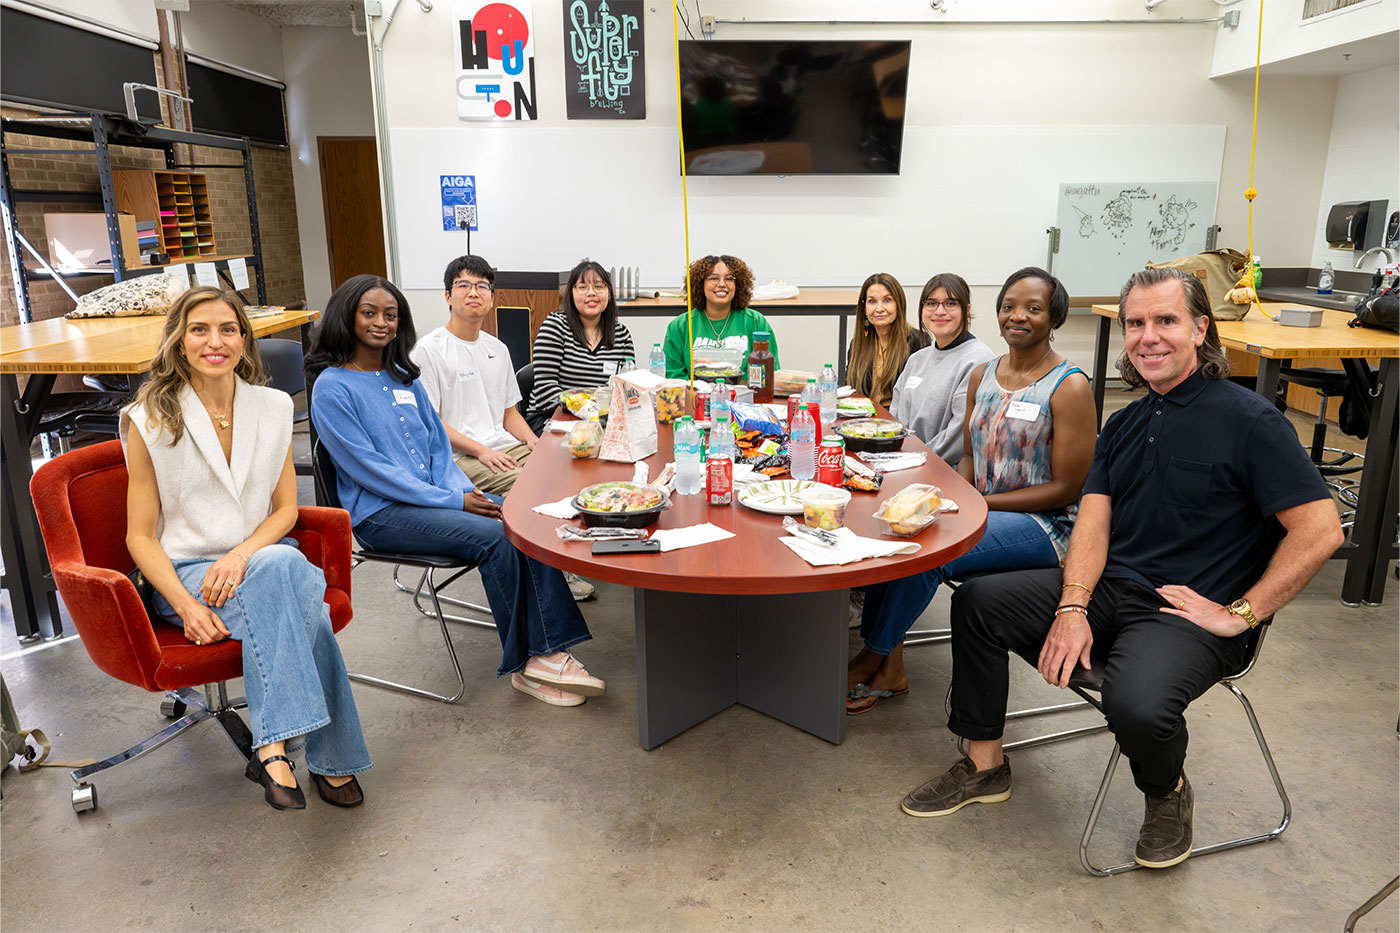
(466, 214)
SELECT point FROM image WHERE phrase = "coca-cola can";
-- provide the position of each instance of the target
(813, 408)
(719, 480)
(831, 459)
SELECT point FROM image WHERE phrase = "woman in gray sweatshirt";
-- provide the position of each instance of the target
(930, 397)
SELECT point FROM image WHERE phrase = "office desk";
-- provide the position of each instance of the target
(1372, 543)
(743, 620)
(43, 350)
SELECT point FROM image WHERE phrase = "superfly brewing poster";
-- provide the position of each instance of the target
(495, 48)
(604, 73)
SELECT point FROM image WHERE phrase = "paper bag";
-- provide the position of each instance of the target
(631, 431)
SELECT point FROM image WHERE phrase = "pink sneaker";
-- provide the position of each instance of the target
(551, 695)
(562, 670)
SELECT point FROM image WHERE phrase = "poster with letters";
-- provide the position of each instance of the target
(604, 60)
(494, 45)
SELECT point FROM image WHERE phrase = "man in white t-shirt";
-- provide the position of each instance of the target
(469, 378)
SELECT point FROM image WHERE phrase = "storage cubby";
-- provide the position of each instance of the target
(177, 201)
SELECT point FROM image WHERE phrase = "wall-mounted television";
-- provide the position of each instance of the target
(792, 107)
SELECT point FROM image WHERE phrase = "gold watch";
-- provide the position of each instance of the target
(1240, 607)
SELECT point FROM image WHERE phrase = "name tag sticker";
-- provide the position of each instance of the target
(913, 382)
(1023, 411)
(405, 397)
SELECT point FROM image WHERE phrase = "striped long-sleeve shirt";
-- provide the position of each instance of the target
(561, 362)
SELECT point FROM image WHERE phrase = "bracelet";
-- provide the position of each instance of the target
(239, 556)
(1064, 586)
(1071, 608)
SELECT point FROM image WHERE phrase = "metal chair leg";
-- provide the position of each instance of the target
(451, 653)
(418, 595)
(1370, 904)
(1085, 702)
(1196, 851)
(927, 636)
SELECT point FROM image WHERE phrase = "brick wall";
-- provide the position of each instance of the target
(272, 176)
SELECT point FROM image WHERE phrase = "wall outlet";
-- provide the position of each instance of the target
(707, 26)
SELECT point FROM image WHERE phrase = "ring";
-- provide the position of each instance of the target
(199, 641)
(1181, 605)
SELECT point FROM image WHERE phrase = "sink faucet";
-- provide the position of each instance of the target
(1389, 256)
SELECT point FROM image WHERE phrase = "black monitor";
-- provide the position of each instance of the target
(791, 107)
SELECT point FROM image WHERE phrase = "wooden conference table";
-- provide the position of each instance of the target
(743, 620)
(43, 350)
(1372, 543)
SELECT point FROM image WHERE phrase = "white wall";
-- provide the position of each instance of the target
(1287, 36)
(1361, 154)
(962, 75)
(328, 94)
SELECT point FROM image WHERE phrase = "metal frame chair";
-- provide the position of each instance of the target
(1088, 684)
(325, 478)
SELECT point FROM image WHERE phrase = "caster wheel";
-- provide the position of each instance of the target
(172, 708)
(84, 798)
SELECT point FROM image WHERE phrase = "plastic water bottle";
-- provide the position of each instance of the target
(803, 445)
(1325, 278)
(826, 382)
(719, 398)
(687, 448)
(721, 432)
(657, 362)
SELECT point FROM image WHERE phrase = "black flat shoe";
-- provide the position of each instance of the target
(278, 796)
(348, 794)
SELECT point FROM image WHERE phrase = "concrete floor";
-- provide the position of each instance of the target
(503, 813)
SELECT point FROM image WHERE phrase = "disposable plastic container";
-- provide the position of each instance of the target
(824, 507)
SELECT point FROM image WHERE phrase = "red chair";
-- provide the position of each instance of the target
(80, 499)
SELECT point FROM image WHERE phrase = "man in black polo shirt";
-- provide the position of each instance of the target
(1201, 516)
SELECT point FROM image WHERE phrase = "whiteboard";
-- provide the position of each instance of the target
(1109, 230)
(975, 200)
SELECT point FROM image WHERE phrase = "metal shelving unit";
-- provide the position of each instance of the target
(103, 132)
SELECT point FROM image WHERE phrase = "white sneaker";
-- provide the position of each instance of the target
(581, 589)
(562, 670)
(551, 695)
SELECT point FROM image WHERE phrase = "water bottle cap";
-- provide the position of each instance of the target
(813, 379)
(657, 345)
(802, 406)
(685, 418)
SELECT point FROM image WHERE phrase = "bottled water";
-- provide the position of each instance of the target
(719, 398)
(803, 445)
(721, 432)
(628, 366)
(658, 360)
(687, 448)
(826, 382)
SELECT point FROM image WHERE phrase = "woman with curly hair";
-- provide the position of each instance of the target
(884, 340)
(720, 289)
(210, 499)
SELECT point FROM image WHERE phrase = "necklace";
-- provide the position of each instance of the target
(351, 364)
(223, 420)
(723, 324)
(1023, 374)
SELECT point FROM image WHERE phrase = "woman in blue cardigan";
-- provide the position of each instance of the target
(396, 476)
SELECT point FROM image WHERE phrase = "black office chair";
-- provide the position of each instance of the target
(1089, 686)
(1355, 381)
(326, 494)
(525, 378)
(282, 359)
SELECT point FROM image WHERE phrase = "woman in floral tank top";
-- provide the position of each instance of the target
(1028, 440)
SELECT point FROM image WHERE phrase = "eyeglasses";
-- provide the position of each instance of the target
(950, 304)
(468, 286)
(717, 279)
(591, 288)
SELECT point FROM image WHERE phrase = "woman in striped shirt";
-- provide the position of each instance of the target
(581, 345)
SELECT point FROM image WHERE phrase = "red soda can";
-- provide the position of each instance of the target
(719, 480)
(831, 459)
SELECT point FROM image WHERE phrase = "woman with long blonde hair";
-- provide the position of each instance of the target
(210, 498)
(884, 340)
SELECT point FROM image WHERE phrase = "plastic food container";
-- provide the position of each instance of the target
(824, 507)
(718, 362)
(872, 435)
(583, 439)
(670, 401)
(579, 402)
(911, 510)
(620, 504)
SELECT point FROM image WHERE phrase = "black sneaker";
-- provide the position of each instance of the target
(1165, 837)
(959, 786)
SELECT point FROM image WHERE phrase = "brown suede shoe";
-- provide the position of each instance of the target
(1165, 837)
(959, 786)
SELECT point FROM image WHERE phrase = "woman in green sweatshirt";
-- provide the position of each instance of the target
(720, 288)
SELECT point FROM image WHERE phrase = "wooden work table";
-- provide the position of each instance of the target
(1371, 546)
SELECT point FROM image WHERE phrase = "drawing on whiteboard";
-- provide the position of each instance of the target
(1117, 214)
(1086, 223)
(1176, 220)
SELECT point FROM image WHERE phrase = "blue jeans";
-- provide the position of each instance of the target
(530, 602)
(1013, 541)
(293, 674)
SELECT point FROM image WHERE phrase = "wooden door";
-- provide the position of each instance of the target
(350, 193)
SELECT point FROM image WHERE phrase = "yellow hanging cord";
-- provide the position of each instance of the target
(685, 204)
(1250, 193)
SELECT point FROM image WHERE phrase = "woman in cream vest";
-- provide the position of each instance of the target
(211, 497)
